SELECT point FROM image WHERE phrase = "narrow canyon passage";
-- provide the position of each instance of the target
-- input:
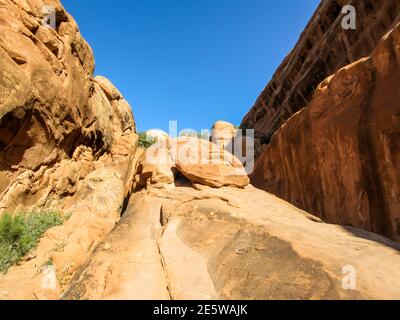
(200, 223)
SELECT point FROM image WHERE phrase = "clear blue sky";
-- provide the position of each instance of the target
(194, 61)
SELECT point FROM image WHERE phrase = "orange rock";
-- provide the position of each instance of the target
(67, 141)
(198, 160)
(338, 158)
(323, 48)
(206, 163)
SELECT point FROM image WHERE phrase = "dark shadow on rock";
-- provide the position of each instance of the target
(372, 237)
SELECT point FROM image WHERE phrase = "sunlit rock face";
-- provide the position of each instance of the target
(50, 105)
(192, 227)
(223, 133)
(67, 140)
(230, 243)
(198, 160)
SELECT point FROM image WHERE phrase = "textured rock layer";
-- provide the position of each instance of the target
(230, 243)
(67, 141)
(198, 160)
(323, 48)
(339, 157)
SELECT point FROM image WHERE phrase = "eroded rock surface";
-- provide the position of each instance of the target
(198, 160)
(67, 142)
(230, 243)
(338, 158)
(222, 133)
(323, 48)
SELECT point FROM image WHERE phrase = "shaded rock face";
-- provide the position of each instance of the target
(67, 141)
(338, 158)
(323, 48)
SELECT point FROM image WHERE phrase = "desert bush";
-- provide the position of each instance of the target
(20, 234)
(145, 141)
(193, 134)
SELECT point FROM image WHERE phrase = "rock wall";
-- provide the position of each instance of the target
(67, 141)
(339, 158)
(323, 48)
(192, 240)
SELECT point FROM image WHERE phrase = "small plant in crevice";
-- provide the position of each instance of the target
(20, 233)
(48, 263)
(145, 141)
(193, 134)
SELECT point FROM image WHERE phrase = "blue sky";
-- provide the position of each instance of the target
(194, 61)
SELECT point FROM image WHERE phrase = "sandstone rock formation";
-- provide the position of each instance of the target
(191, 226)
(323, 48)
(231, 243)
(338, 158)
(222, 133)
(67, 141)
(198, 160)
(204, 162)
(192, 241)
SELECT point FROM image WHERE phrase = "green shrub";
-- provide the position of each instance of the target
(200, 135)
(20, 234)
(145, 141)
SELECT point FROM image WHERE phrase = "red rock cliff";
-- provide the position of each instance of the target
(339, 157)
(67, 140)
(323, 48)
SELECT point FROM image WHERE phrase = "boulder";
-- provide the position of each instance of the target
(157, 165)
(108, 88)
(206, 163)
(222, 133)
(198, 160)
